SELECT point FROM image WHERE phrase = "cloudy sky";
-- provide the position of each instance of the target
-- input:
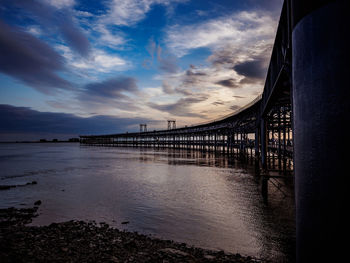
(70, 67)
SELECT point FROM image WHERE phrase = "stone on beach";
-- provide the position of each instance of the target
(79, 241)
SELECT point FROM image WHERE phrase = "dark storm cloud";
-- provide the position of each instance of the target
(53, 20)
(251, 69)
(111, 92)
(179, 108)
(75, 38)
(111, 88)
(29, 59)
(230, 83)
(25, 120)
(254, 68)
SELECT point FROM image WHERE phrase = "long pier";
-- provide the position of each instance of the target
(235, 135)
(262, 128)
(298, 123)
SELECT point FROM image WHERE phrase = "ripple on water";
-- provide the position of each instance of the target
(203, 199)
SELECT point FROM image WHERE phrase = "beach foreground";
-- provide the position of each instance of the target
(79, 241)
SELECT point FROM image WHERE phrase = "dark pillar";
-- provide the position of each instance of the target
(279, 140)
(256, 144)
(321, 70)
(263, 133)
(284, 141)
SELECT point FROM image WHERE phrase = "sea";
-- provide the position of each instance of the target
(203, 199)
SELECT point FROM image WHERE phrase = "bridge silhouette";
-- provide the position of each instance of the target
(298, 123)
(261, 128)
(238, 134)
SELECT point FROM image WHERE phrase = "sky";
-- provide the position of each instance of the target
(70, 67)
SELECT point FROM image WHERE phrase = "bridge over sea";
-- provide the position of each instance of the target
(262, 128)
(298, 124)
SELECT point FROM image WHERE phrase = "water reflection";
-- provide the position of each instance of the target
(186, 157)
(204, 199)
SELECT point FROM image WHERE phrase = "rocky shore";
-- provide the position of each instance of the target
(79, 241)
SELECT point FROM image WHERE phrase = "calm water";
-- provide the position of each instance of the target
(201, 199)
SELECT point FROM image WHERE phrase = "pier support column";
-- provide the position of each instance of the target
(321, 70)
(215, 142)
(256, 150)
(279, 141)
(263, 135)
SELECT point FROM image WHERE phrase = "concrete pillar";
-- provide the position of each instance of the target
(321, 70)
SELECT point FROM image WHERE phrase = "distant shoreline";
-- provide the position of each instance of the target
(40, 142)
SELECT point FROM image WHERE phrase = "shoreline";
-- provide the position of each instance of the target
(81, 241)
(43, 142)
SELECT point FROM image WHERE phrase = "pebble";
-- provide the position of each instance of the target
(79, 241)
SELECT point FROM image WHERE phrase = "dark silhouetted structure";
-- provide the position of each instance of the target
(298, 123)
(171, 124)
(143, 127)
